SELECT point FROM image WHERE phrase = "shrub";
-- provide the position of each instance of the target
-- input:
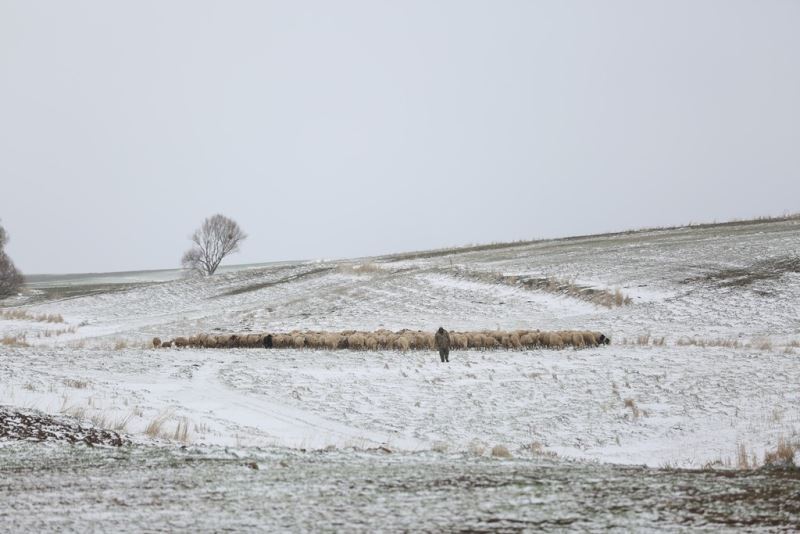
(500, 451)
(10, 278)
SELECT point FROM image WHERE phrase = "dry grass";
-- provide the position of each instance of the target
(120, 344)
(762, 344)
(289, 279)
(23, 315)
(78, 412)
(361, 268)
(761, 270)
(599, 296)
(500, 451)
(155, 427)
(76, 384)
(100, 420)
(476, 447)
(538, 449)
(181, 432)
(14, 341)
(745, 460)
(56, 333)
(440, 446)
(643, 340)
(120, 425)
(782, 455)
(704, 342)
(635, 412)
(742, 460)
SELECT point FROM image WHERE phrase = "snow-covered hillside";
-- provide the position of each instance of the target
(703, 362)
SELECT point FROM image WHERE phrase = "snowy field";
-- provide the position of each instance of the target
(703, 369)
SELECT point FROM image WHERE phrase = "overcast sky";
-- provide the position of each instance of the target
(337, 129)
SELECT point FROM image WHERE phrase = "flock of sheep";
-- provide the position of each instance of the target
(401, 341)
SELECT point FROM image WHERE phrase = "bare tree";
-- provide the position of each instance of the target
(10, 277)
(216, 238)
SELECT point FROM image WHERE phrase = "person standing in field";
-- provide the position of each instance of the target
(442, 340)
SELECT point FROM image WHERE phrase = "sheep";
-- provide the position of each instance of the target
(402, 340)
(475, 340)
(311, 340)
(537, 338)
(589, 339)
(401, 343)
(459, 341)
(565, 335)
(356, 341)
(429, 341)
(282, 341)
(331, 341)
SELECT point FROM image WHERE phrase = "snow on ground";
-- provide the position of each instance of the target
(628, 403)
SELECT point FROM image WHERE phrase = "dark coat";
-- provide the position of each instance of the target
(442, 340)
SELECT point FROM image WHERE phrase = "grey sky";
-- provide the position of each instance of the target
(336, 129)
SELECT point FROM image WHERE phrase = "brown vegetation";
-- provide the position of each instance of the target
(14, 341)
(599, 296)
(782, 455)
(702, 342)
(361, 268)
(23, 315)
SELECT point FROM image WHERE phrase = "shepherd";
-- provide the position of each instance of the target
(442, 340)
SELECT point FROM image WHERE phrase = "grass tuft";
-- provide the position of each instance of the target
(500, 451)
(782, 455)
(630, 403)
